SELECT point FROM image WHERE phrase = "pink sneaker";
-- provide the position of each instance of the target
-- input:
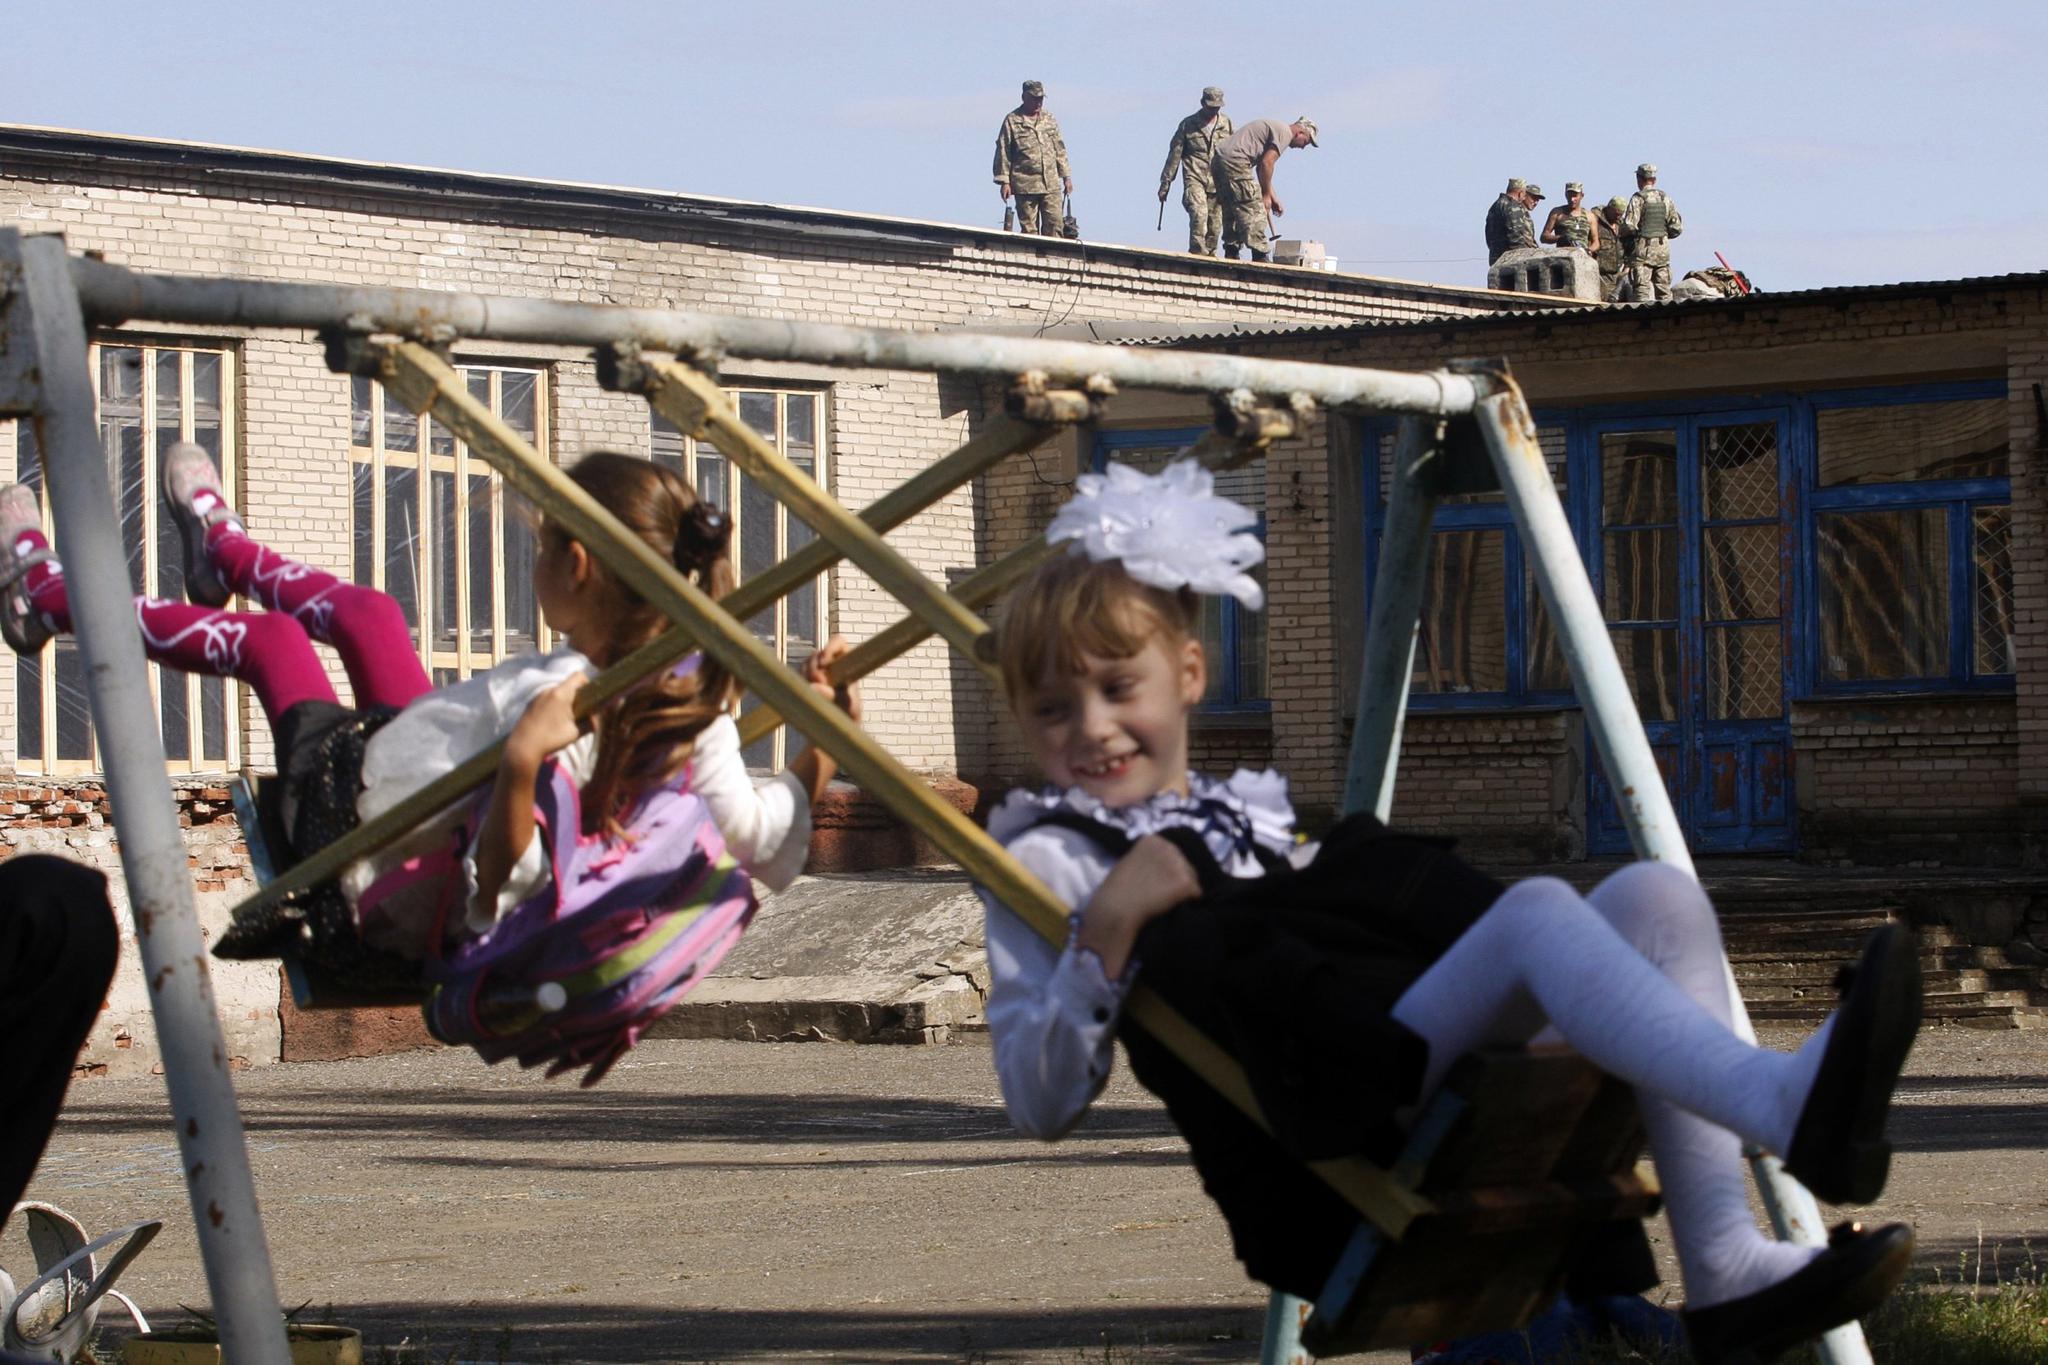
(21, 516)
(192, 489)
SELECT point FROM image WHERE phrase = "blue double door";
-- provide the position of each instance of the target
(1693, 566)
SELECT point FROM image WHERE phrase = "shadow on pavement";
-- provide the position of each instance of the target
(572, 1329)
(1968, 1127)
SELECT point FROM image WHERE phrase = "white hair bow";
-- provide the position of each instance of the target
(1170, 529)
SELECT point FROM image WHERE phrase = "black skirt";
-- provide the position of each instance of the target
(1295, 974)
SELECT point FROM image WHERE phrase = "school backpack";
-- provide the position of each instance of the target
(623, 930)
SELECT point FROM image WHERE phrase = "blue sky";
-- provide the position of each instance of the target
(1811, 144)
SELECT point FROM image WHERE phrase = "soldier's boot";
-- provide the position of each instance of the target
(1258, 255)
(1230, 253)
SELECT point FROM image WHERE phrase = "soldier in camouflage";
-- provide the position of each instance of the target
(1572, 223)
(1507, 221)
(1031, 163)
(1193, 152)
(1244, 172)
(1610, 252)
(1650, 221)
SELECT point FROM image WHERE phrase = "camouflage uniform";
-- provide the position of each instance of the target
(1192, 154)
(1507, 228)
(1031, 158)
(1575, 228)
(1244, 202)
(1610, 255)
(1651, 221)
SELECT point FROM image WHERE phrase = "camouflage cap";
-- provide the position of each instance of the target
(1517, 183)
(1308, 125)
(1212, 98)
(1533, 190)
(1618, 204)
(1574, 187)
(1034, 88)
(1647, 171)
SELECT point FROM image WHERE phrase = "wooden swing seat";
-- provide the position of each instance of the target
(311, 989)
(1527, 1157)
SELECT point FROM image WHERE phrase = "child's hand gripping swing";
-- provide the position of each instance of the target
(599, 878)
(1350, 976)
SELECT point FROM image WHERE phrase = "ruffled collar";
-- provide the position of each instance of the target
(1243, 808)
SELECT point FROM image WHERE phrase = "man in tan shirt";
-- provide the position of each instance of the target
(1245, 175)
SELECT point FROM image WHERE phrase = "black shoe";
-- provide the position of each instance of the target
(1839, 1149)
(1230, 253)
(1840, 1285)
(1260, 256)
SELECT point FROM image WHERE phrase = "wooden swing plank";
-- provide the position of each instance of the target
(1524, 1156)
(311, 989)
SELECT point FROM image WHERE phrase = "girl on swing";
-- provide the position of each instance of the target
(647, 828)
(1348, 976)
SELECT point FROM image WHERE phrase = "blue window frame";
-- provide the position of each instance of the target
(1906, 549)
(1233, 637)
(1899, 501)
(1486, 640)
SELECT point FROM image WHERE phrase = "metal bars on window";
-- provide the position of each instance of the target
(1910, 558)
(433, 526)
(148, 398)
(792, 423)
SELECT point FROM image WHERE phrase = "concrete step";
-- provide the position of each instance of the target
(1787, 967)
(1991, 1018)
(1815, 977)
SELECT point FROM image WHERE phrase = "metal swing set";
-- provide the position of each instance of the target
(1505, 1173)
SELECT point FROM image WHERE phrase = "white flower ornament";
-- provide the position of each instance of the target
(1169, 529)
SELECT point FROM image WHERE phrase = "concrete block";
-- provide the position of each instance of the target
(1565, 271)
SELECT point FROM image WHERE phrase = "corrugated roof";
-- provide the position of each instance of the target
(1972, 284)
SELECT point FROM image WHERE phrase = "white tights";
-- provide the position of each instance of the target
(1632, 978)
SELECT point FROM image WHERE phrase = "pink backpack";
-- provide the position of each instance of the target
(623, 930)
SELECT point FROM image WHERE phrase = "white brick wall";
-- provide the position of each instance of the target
(292, 415)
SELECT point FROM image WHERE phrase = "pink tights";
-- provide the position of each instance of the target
(270, 650)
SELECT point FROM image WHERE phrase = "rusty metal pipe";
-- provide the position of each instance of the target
(113, 294)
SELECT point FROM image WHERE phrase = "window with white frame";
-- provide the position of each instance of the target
(436, 527)
(763, 530)
(149, 397)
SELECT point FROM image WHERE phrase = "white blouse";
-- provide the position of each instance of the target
(1052, 1011)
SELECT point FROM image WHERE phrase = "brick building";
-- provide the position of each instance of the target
(330, 472)
(1819, 515)
(1818, 525)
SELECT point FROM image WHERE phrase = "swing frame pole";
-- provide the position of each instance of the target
(1451, 415)
(425, 382)
(1392, 624)
(114, 294)
(44, 327)
(1624, 748)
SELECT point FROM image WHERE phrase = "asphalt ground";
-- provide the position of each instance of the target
(749, 1201)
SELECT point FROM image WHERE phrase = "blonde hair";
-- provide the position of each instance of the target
(646, 733)
(1072, 608)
